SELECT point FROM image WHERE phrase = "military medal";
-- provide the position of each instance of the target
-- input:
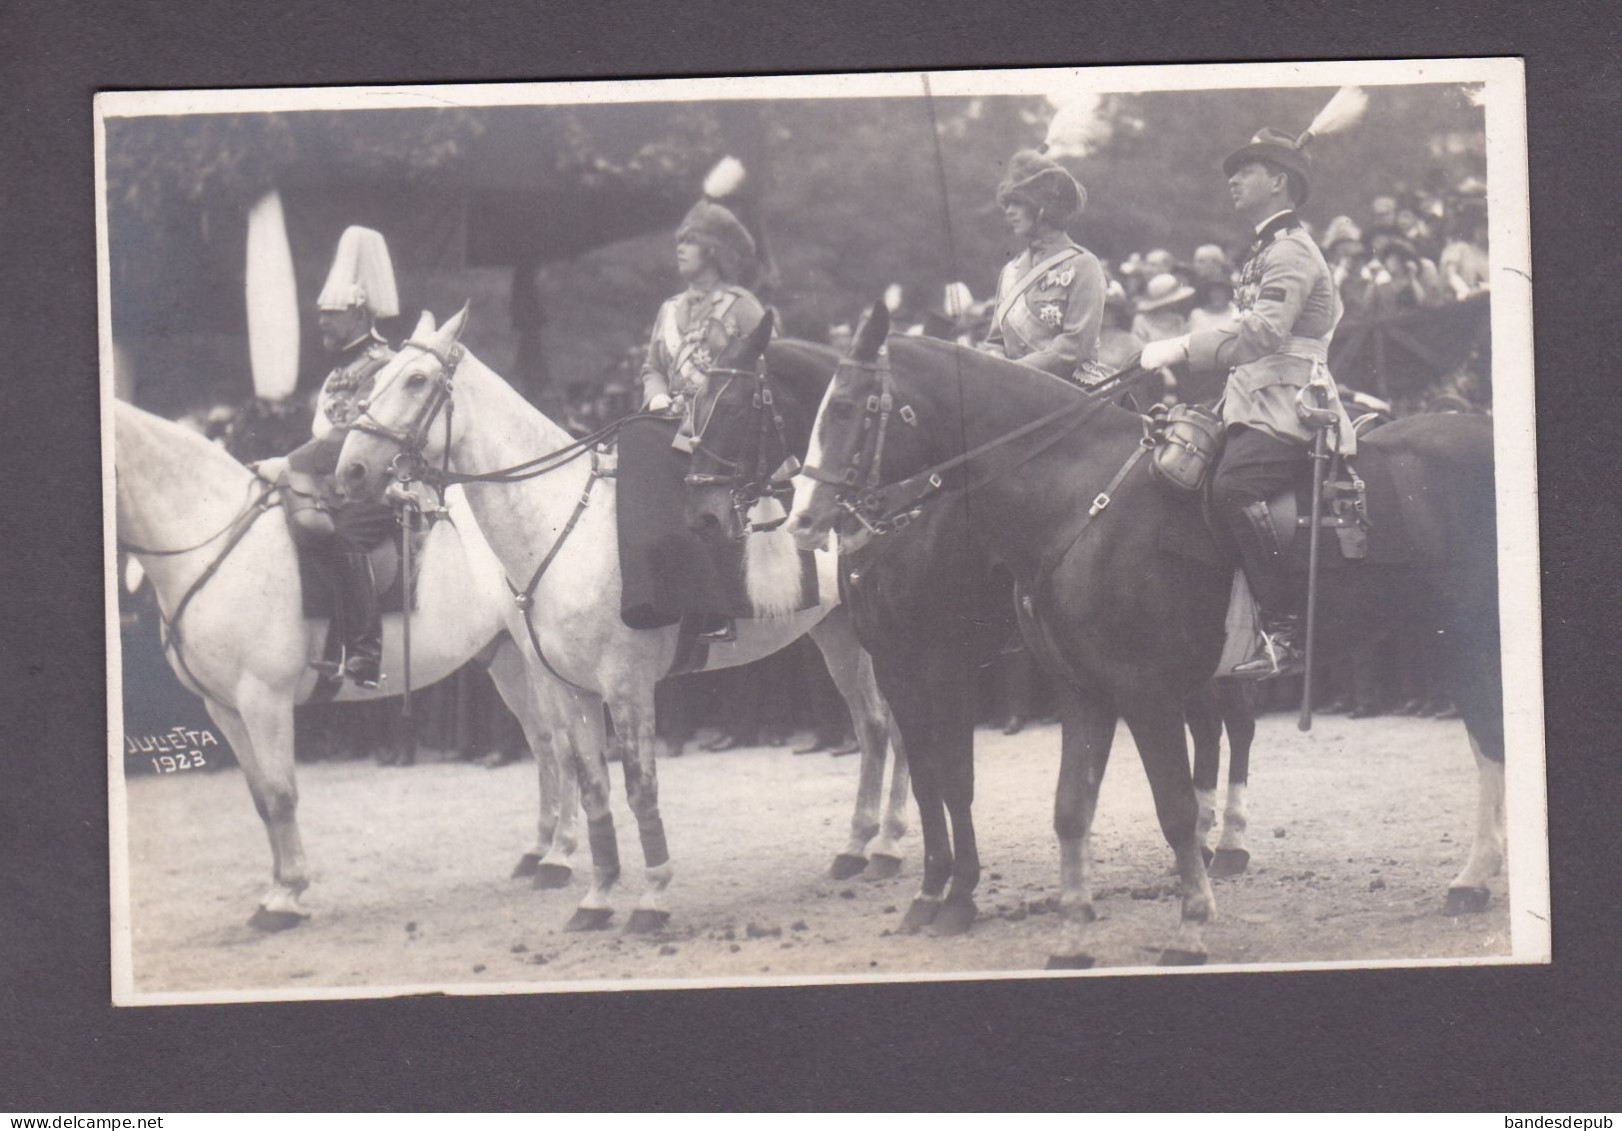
(1051, 313)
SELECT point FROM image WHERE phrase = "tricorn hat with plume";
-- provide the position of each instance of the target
(1289, 152)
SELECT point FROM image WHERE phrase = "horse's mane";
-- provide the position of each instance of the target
(196, 448)
(967, 357)
(801, 370)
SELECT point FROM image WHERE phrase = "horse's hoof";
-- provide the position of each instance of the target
(845, 866)
(955, 918)
(589, 919)
(1227, 862)
(1173, 957)
(1207, 855)
(554, 876)
(1466, 901)
(528, 864)
(645, 921)
(1070, 962)
(265, 919)
(882, 867)
(919, 915)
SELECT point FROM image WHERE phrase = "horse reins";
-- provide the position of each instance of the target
(747, 490)
(883, 509)
(242, 522)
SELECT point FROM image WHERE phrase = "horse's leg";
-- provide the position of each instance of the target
(633, 724)
(896, 805)
(1088, 733)
(1163, 748)
(954, 743)
(908, 680)
(587, 747)
(557, 826)
(1478, 692)
(261, 735)
(1232, 856)
(1204, 716)
(852, 674)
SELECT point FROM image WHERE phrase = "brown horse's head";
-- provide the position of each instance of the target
(860, 440)
(741, 450)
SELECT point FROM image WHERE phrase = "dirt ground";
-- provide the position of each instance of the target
(1355, 831)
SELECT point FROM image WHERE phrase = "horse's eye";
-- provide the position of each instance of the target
(416, 380)
(841, 409)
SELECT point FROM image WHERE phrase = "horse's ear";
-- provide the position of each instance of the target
(451, 331)
(872, 332)
(760, 336)
(425, 326)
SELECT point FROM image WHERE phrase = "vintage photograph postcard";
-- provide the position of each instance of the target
(691, 533)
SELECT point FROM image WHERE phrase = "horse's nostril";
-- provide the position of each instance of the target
(355, 472)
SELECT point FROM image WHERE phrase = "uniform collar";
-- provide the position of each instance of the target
(1274, 224)
(696, 294)
(1048, 244)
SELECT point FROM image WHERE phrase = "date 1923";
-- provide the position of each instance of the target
(174, 763)
(179, 749)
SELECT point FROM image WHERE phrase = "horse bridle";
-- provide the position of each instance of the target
(409, 462)
(881, 509)
(861, 476)
(748, 484)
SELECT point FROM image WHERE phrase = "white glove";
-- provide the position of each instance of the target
(660, 402)
(1159, 355)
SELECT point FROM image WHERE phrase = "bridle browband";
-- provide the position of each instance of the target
(881, 509)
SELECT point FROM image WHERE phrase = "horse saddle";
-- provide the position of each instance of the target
(359, 525)
(668, 574)
(1363, 515)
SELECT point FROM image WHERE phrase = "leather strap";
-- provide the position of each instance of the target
(1028, 280)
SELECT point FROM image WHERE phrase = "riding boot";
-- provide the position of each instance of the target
(716, 629)
(362, 619)
(1263, 561)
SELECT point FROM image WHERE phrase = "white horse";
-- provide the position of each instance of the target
(561, 525)
(242, 643)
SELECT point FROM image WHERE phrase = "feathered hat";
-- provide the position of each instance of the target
(1289, 152)
(715, 227)
(362, 275)
(1043, 183)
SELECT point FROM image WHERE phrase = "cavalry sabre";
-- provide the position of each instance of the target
(1321, 419)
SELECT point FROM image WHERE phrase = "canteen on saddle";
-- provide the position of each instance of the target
(1187, 440)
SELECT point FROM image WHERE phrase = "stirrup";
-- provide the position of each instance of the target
(721, 631)
(364, 671)
(1278, 656)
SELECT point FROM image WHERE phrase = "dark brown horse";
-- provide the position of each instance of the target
(1048, 483)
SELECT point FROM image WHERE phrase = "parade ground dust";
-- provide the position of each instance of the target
(1355, 831)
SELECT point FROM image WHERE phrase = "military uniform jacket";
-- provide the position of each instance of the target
(692, 330)
(338, 404)
(310, 466)
(1288, 308)
(1049, 318)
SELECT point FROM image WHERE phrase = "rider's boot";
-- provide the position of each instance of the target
(715, 629)
(1263, 560)
(363, 620)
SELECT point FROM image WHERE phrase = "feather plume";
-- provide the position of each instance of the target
(725, 179)
(1345, 109)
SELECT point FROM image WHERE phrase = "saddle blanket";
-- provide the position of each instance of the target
(668, 573)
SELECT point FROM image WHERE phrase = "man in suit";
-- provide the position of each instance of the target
(1276, 353)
